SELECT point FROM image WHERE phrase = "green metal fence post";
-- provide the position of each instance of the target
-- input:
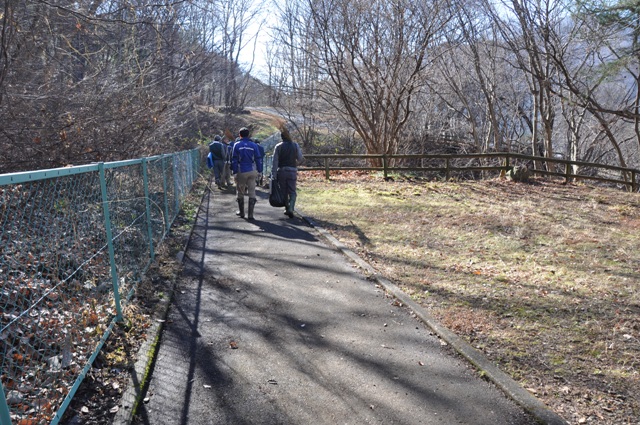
(147, 204)
(198, 162)
(188, 163)
(165, 187)
(5, 415)
(112, 256)
(194, 165)
(176, 187)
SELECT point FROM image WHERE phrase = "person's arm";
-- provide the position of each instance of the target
(299, 157)
(234, 159)
(258, 158)
(274, 164)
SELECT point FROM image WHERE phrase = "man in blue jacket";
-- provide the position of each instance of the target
(246, 163)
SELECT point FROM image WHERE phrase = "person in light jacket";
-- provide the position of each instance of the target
(246, 163)
(287, 155)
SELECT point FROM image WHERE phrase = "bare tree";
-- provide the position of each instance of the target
(241, 23)
(295, 72)
(467, 77)
(90, 81)
(373, 55)
(526, 29)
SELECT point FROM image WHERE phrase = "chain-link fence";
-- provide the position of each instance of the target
(75, 241)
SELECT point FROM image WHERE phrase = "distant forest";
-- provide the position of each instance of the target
(101, 80)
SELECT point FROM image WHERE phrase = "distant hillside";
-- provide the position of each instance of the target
(262, 122)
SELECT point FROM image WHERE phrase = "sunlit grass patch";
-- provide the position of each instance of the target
(544, 278)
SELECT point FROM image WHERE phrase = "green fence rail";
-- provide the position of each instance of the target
(75, 242)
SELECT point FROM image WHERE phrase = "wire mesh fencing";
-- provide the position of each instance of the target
(75, 241)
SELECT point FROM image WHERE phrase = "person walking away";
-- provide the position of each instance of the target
(246, 163)
(226, 173)
(219, 156)
(286, 157)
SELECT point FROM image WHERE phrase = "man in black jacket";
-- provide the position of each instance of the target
(286, 158)
(219, 156)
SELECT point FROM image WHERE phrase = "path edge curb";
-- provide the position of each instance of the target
(504, 382)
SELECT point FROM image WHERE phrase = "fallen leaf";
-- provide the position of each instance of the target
(233, 345)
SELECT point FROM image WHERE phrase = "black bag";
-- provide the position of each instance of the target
(277, 197)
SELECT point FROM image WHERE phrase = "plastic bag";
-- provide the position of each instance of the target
(277, 197)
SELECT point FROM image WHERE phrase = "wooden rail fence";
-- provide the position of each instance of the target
(500, 161)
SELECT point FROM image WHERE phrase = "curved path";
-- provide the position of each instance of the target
(271, 324)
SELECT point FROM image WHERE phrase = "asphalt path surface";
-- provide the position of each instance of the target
(271, 324)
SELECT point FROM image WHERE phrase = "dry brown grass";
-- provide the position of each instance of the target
(542, 277)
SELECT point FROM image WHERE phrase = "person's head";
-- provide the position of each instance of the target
(217, 138)
(284, 134)
(244, 132)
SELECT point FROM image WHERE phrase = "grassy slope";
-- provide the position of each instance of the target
(542, 277)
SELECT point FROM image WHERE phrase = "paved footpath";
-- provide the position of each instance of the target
(271, 324)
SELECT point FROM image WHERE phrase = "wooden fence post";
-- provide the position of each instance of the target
(326, 168)
(567, 173)
(446, 166)
(385, 166)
